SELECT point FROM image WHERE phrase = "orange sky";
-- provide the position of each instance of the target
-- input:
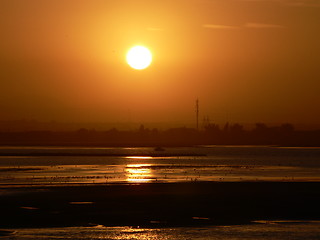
(246, 60)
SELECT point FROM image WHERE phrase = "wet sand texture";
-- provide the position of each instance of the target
(159, 204)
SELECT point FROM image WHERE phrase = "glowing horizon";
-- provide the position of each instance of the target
(246, 61)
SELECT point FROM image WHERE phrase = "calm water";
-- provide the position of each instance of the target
(263, 231)
(227, 163)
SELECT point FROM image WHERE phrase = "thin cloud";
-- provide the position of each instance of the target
(247, 25)
(303, 3)
(262, 25)
(215, 26)
(296, 3)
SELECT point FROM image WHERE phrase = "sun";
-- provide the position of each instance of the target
(139, 57)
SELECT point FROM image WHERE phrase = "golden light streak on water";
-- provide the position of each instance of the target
(138, 173)
(139, 157)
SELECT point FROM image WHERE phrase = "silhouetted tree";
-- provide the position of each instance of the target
(287, 128)
(212, 128)
(260, 127)
(236, 128)
(226, 127)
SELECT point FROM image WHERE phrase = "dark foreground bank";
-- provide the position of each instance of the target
(159, 204)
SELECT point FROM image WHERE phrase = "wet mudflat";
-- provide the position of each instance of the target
(159, 204)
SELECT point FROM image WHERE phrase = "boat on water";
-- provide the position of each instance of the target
(159, 149)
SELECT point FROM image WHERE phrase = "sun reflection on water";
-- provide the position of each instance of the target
(138, 173)
(139, 157)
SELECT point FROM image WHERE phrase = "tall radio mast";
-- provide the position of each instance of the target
(197, 113)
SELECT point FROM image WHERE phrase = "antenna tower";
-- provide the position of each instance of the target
(197, 113)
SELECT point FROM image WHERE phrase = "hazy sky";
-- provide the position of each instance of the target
(246, 60)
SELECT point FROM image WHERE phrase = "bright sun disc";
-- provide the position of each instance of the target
(139, 57)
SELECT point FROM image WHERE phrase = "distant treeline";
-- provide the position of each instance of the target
(210, 134)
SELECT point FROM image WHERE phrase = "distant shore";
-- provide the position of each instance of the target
(159, 204)
(210, 134)
(77, 154)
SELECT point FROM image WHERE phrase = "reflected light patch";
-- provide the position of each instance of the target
(139, 157)
(138, 180)
(138, 165)
(138, 173)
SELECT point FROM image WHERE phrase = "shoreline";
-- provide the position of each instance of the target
(50, 154)
(158, 204)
